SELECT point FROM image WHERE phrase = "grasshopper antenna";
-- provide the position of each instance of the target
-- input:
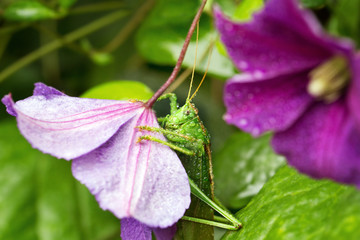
(207, 68)
(194, 66)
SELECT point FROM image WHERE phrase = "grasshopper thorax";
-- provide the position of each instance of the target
(185, 121)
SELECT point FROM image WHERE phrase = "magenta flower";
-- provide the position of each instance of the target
(141, 180)
(298, 82)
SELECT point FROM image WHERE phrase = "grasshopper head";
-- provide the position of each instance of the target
(185, 114)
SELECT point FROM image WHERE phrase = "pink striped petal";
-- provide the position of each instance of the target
(144, 180)
(68, 127)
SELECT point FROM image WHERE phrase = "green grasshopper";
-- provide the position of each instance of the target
(187, 135)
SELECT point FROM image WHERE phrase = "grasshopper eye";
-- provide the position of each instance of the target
(187, 112)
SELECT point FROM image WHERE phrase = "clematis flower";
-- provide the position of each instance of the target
(143, 182)
(298, 82)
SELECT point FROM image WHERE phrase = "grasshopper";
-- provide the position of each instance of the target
(187, 135)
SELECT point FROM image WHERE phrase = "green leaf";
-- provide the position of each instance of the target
(66, 3)
(293, 206)
(345, 19)
(28, 11)
(162, 35)
(246, 9)
(120, 90)
(242, 167)
(101, 59)
(313, 3)
(39, 198)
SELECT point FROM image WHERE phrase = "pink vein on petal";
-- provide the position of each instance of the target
(139, 123)
(35, 121)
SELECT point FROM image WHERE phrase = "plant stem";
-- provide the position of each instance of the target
(130, 26)
(96, 7)
(79, 33)
(177, 67)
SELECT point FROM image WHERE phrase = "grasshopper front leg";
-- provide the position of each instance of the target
(173, 101)
(177, 148)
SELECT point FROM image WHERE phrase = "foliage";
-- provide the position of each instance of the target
(292, 206)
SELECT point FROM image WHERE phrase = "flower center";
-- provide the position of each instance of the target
(328, 80)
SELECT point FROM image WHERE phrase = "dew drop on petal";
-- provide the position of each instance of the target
(255, 131)
(243, 122)
(243, 65)
(258, 74)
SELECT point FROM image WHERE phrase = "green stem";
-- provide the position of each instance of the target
(198, 193)
(79, 33)
(96, 7)
(12, 28)
(129, 28)
(209, 222)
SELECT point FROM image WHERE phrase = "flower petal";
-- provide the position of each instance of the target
(9, 104)
(282, 38)
(132, 229)
(354, 90)
(46, 91)
(68, 127)
(165, 233)
(324, 143)
(144, 180)
(265, 103)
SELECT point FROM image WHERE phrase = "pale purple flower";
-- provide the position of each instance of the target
(133, 229)
(135, 179)
(298, 82)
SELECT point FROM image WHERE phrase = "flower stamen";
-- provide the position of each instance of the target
(329, 79)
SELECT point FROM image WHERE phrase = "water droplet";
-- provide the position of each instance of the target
(258, 74)
(243, 65)
(243, 122)
(255, 131)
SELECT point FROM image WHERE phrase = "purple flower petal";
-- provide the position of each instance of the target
(68, 127)
(165, 233)
(144, 180)
(354, 90)
(324, 143)
(46, 91)
(265, 103)
(9, 104)
(132, 229)
(280, 39)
